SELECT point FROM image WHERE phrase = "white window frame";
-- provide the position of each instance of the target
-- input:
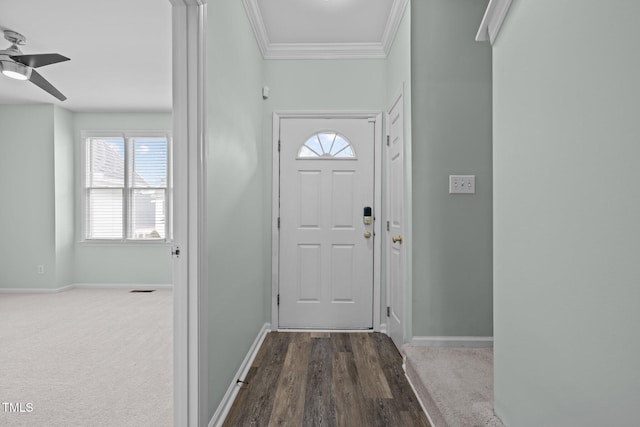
(126, 135)
(327, 156)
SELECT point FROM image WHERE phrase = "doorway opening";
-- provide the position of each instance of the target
(326, 242)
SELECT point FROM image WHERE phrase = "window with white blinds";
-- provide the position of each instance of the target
(127, 187)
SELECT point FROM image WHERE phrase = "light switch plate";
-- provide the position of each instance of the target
(462, 184)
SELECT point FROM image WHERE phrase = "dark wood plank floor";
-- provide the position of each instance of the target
(326, 379)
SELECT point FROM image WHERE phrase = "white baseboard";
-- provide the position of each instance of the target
(468, 342)
(227, 401)
(383, 328)
(34, 290)
(121, 286)
(82, 286)
(415, 392)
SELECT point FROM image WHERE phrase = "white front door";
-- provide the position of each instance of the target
(395, 214)
(326, 245)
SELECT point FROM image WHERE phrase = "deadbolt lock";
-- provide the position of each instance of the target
(367, 215)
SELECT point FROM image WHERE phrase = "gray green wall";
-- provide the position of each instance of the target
(40, 144)
(451, 121)
(236, 154)
(27, 191)
(347, 84)
(566, 209)
(119, 263)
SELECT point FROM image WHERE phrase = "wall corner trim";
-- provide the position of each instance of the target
(454, 341)
(492, 20)
(227, 401)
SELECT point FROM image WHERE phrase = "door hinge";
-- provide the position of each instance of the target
(388, 138)
(278, 302)
(278, 223)
(176, 252)
(278, 146)
(388, 311)
(387, 225)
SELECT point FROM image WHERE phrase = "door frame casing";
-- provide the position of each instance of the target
(190, 340)
(375, 116)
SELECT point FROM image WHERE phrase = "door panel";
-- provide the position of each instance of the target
(342, 263)
(395, 209)
(325, 259)
(343, 194)
(309, 199)
(309, 268)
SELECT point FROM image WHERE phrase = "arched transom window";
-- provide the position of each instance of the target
(327, 145)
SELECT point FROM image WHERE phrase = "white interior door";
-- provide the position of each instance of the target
(326, 247)
(395, 216)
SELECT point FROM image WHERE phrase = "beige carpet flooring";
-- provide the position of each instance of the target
(454, 384)
(87, 358)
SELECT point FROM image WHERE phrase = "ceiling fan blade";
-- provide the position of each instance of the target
(40, 60)
(42, 83)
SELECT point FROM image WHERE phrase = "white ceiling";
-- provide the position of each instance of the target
(325, 28)
(120, 53)
(120, 50)
(325, 21)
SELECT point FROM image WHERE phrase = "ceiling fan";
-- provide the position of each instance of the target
(15, 64)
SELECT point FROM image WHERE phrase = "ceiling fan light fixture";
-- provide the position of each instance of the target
(15, 70)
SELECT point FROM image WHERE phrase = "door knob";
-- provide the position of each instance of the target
(367, 234)
(397, 239)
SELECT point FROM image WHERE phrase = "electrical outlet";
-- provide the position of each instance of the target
(41, 269)
(462, 184)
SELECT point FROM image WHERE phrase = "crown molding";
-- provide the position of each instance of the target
(393, 23)
(187, 3)
(375, 50)
(492, 20)
(325, 51)
(257, 24)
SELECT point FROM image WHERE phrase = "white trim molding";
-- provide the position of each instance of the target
(372, 50)
(84, 286)
(324, 51)
(227, 401)
(257, 24)
(393, 24)
(468, 342)
(121, 286)
(492, 20)
(190, 351)
(35, 290)
(415, 391)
